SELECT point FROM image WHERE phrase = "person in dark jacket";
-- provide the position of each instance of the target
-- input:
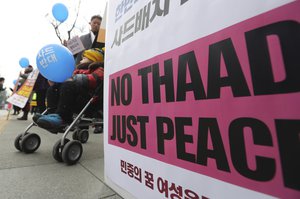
(2, 80)
(89, 40)
(40, 88)
(2, 92)
(71, 96)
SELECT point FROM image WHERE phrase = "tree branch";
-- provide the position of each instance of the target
(69, 31)
(55, 26)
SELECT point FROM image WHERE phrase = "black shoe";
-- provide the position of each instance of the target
(22, 118)
(36, 117)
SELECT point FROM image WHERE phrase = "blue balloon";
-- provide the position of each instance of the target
(24, 62)
(60, 12)
(55, 62)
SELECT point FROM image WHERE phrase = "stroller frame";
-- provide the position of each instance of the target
(64, 150)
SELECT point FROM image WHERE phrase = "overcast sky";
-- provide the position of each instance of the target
(25, 29)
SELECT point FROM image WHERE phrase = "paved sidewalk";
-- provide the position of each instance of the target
(38, 175)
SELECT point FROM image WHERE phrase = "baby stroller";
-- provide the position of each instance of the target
(65, 150)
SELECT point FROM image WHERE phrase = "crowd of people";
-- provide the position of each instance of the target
(64, 99)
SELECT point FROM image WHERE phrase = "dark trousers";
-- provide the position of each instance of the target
(16, 109)
(67, 98)
(41, 100)
(26, 108)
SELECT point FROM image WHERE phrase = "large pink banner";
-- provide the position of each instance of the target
(225, 106)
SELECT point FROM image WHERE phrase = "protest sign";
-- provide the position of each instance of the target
(202, 98)
(21, 96)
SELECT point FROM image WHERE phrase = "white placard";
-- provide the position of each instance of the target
(75, 45)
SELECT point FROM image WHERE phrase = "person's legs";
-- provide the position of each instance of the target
(26, 109)
(52, 96)
(68, 93)
(40, 100)
(15, 110)
(67, 103)
(33, 109)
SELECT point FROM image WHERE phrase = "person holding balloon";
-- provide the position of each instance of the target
(60, 13)
(71, 96)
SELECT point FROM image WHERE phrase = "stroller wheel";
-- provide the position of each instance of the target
(81, 135)
(57, 149)
(17, 141)
(30, 143)
(72, 152)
